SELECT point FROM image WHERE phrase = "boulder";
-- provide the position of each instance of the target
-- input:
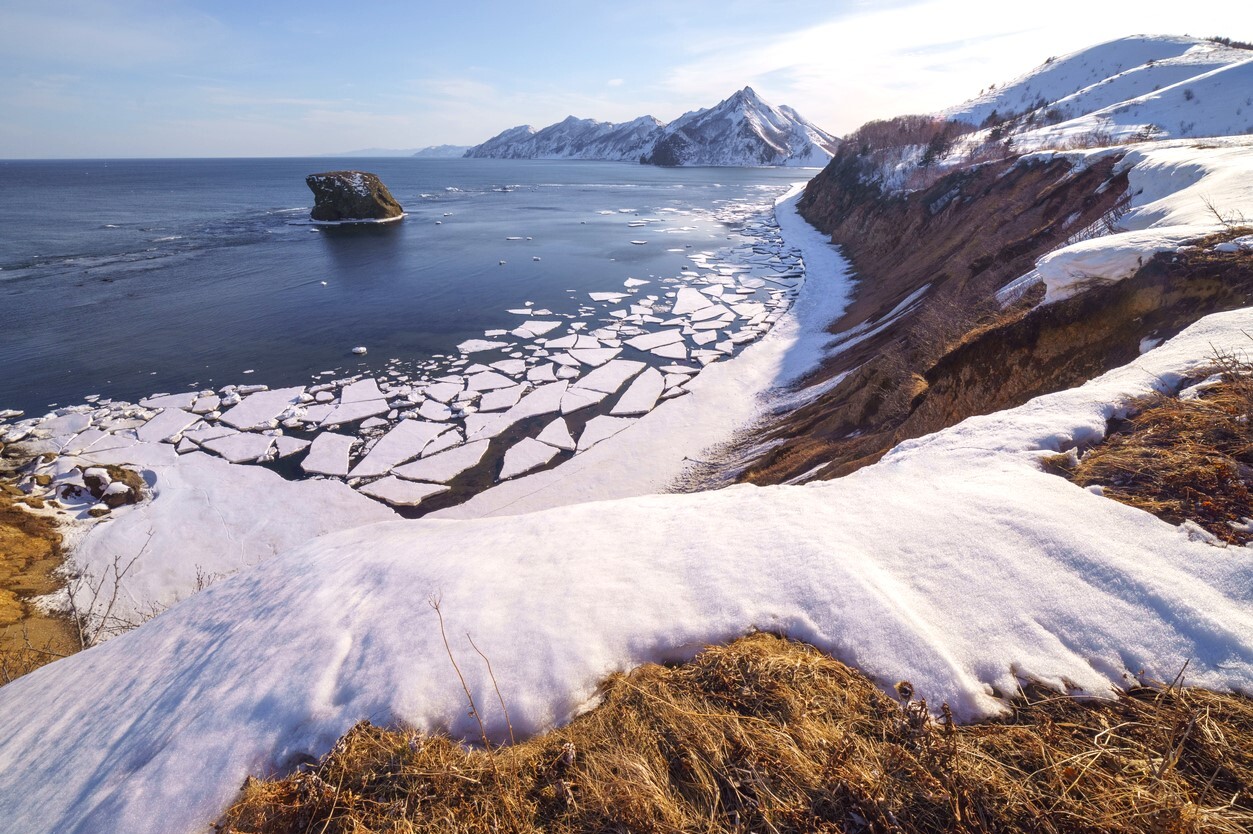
(351, 195)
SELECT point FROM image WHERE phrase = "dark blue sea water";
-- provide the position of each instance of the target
(125, 278)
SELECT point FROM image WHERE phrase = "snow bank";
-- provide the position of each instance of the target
(726, 396)
(1176, 189)
(955, 563)
(206, 519)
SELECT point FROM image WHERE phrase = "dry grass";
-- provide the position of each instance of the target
(769, 735)
(1184, 459)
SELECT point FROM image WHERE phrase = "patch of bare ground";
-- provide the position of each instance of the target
(30, 554)
(1182, 459)
(771, 735)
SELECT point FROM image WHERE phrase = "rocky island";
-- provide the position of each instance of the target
(351, 197)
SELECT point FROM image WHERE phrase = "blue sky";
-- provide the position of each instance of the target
(108, 78)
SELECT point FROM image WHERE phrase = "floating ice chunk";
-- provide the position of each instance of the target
(360, 350)
(689, 300)
(613, 297)
(447, 440)
(366, 389)
(375, 422)
(610, 378)
(477, 345)
(562, 342)
(526, 455)
(714, 291)
(241, 447)
(677, 369)
(501, 398)
(208, 433)
(488, 381)
(183, 401)
(433, 410)
(443, 467)
(725, 346)
(594, 356)
(542, 373)
(749, 309)
(641, 396)
(672, 380)
(675, 351)
(403, 443)
(533, 329)
(443, 391)
(513, 367)
(634, 282)
(165, 425)
(557, 433)
(286, 446)
(580, 398)
(206, 404)
(400, 493)
(601, 428)
(567, 372)
(257, 410)
(714, 324)
(639, 242)
(351, 412)
(329, 454)
(743, 336)
(654, 340)
(714, 311)
(65, 424)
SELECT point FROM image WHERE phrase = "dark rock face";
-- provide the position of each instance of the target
(351, 195)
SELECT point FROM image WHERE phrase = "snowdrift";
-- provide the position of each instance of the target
(955, 563)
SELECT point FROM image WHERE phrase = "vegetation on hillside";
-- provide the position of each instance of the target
(773, 736)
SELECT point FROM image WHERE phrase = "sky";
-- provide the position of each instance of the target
(182, 78)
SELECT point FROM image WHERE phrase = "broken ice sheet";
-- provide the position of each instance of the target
(601, 428)
(557, 433)
(641, 396)
(328, 455)
(257, 410)
(525, 455)
(443, 467)
(403, 443)
(400, 493)
(240, 447)
(611, 376)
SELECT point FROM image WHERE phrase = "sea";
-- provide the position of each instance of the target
(120, 279)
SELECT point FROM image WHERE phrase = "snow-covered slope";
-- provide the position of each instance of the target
(1100, 76)
(1136, 87)
(956, 563)
(743, 130)
(571, 139)
(1178, 193)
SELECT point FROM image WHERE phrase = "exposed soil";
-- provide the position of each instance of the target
(958, 354)
(30, 553)
(771, 735)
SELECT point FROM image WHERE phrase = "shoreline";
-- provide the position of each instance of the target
(726, 397)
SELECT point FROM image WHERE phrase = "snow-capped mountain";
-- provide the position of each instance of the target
(572, 138)
(743, 130)
(1135, 87)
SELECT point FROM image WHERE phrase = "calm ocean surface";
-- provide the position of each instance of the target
(126, 278)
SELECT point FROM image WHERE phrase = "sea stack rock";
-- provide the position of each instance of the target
(351, 195)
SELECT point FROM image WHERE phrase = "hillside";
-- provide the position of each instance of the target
(742, 130)
(921, 461)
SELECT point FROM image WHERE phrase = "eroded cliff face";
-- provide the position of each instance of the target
(927, 265)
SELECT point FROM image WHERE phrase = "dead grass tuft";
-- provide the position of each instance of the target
(771, 735)
(1184, 459)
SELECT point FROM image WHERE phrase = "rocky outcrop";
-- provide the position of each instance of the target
(346, 196)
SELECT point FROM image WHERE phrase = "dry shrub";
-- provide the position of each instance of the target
(771, 735)
(1184, 459)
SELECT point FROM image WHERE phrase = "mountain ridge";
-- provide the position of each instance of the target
(741, 130)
